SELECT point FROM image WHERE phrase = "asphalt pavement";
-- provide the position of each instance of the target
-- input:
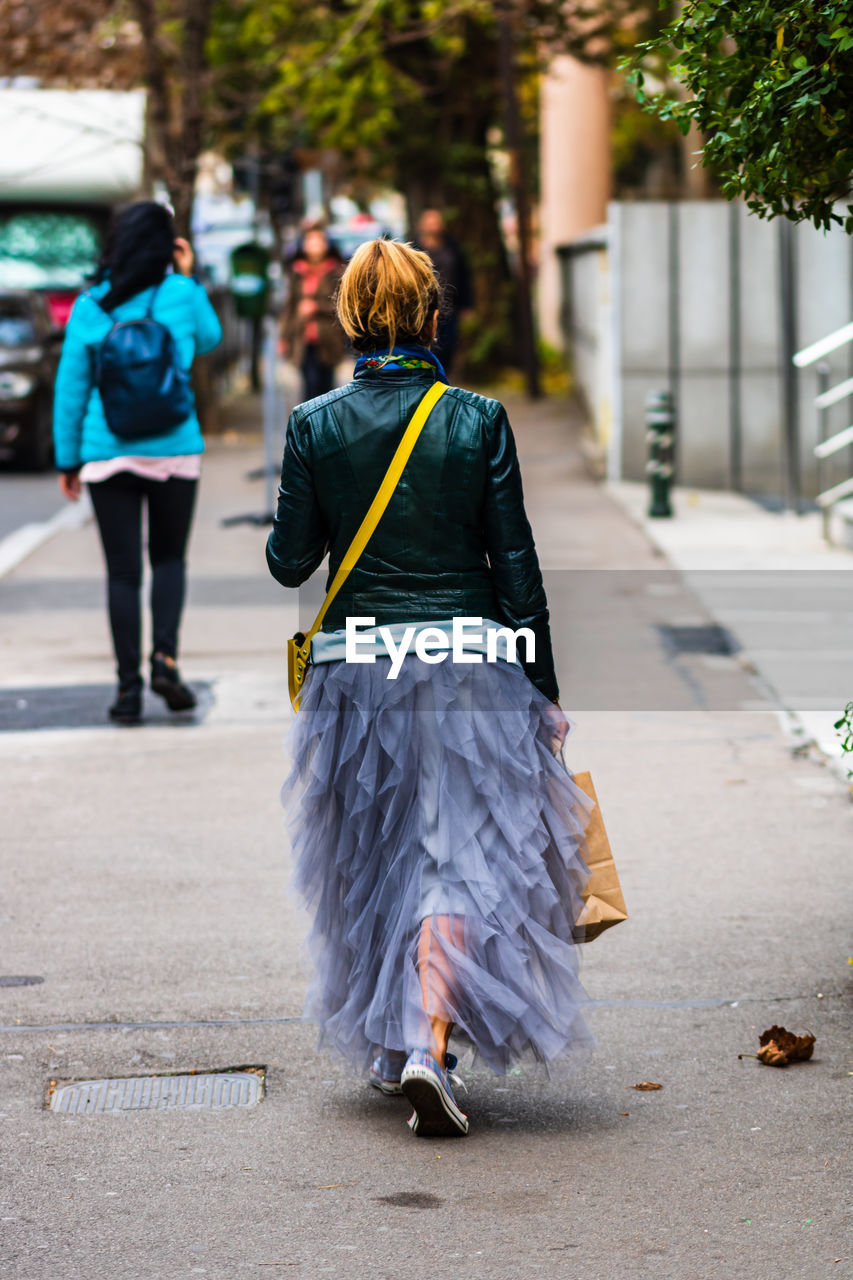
(144, 881)
(26, 498)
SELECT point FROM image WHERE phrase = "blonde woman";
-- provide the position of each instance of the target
(436, 831)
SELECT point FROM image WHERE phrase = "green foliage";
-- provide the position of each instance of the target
(343, 73)
(635, 137)
(844, 727)
(410, 93)
(384, 81)
(771, 87)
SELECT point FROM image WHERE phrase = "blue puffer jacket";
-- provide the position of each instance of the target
(80, 431)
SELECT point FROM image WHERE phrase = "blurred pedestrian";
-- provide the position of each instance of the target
(133, 440)
(436, 830)
(309, 331)
(455, 277)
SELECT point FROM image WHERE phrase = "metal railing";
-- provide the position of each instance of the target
(826, 397)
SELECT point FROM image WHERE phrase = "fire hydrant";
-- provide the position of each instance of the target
(660, 437)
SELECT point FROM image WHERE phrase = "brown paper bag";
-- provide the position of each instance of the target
(603, 902)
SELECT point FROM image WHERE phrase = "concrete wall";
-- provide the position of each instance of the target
(586, 311)
(693, 302)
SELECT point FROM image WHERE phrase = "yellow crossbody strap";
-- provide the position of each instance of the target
(300, 646)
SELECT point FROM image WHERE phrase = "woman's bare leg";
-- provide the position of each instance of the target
(437, 981)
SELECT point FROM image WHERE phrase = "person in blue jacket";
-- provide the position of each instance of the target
(145, 269)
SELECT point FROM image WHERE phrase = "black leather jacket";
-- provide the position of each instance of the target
(454, 539)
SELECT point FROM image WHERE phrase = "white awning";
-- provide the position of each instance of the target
(80, 146)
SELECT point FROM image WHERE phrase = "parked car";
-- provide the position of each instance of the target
(29, 353)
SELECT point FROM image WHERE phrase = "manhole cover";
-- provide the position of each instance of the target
(698, 639)
(15, 980)
(209, 1092)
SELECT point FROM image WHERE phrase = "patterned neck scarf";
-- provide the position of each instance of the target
(402, 357)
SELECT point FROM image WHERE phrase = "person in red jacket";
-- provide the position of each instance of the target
(309, 331)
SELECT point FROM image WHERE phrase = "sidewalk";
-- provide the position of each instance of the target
(145, 877)
(774, 582)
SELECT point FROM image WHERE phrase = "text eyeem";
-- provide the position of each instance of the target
(469, 641)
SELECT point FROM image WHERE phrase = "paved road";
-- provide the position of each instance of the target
(144, 880)
(26, 499)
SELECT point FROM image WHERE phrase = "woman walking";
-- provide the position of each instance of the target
(309, 332)
(143, 282)
(436, 831)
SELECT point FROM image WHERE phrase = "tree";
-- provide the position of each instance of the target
(174, 42)
(410, 92)
(771, 87)
(118, 44)
(70, 43)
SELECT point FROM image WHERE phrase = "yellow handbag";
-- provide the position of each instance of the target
(299, 646)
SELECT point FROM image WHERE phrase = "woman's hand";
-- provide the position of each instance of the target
(307, 308)
(69, 485)
(559, 726)
(183, 257)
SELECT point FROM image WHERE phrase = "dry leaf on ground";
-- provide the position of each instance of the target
(780, 1046)
(796, 1048)
(646, 1086)
(771, 1055)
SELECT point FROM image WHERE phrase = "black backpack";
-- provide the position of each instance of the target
(143, 388)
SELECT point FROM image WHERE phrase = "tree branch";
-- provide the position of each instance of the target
(157, 82)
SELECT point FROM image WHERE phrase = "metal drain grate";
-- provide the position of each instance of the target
(210, 1092)
(709, 638)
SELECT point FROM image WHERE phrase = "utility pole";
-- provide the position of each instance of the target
(518, 186)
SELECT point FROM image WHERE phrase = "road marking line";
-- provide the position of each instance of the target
(15, 547)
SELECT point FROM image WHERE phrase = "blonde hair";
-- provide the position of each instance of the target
(387, 294)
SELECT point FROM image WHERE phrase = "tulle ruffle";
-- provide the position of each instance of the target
(437, 794)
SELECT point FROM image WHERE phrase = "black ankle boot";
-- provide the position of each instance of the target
(127, 708)
(166, 680)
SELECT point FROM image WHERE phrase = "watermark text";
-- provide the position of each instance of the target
(469, 642)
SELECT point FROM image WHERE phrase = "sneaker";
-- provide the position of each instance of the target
(385, 1072)
(166, 680)
(127, 708)
(428, 1088)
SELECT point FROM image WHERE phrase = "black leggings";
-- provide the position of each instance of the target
(117, 503)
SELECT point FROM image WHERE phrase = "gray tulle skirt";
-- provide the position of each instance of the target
(436, 798)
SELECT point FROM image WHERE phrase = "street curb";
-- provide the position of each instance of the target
(17, 546)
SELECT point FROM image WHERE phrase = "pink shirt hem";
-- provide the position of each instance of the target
(182, 467)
